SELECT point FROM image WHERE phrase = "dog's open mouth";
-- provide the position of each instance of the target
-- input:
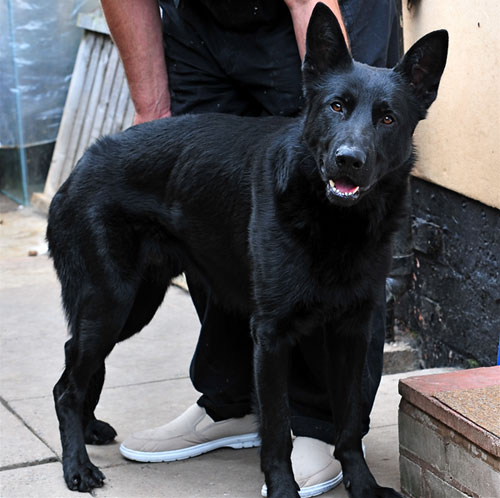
(343, 188)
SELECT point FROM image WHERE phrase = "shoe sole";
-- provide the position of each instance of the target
(316, 490)
(236, 442)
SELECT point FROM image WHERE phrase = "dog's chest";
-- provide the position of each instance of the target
(344, 261)
(341, 247)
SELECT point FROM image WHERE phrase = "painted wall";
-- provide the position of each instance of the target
(459, 143)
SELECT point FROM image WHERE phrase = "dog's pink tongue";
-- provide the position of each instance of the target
(345, 185)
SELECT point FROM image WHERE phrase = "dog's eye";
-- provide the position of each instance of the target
(337, 106)
(387, 119)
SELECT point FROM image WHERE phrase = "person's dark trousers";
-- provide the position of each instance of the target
(256, 72)
(221, 365)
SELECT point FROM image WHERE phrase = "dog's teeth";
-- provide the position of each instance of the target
(331, 183)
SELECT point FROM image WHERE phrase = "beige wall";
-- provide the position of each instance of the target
(459, 143)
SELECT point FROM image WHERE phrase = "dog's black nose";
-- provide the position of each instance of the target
(349, 157)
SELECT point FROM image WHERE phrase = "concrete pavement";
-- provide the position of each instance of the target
(147, 384)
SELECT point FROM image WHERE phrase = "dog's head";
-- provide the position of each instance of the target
(360, 119)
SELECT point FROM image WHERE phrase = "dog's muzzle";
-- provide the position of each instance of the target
(349, 158)
(342, 179)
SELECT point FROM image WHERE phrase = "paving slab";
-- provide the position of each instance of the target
(39, 481)
(222, 473)
(19, 446)
(128, 409)
(32, 329)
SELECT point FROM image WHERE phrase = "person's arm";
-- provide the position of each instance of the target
(135, 26)
(301, 11)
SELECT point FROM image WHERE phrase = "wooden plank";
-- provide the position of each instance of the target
(98, 103)
(81, 114)
(109, 119)
(122, 107)
(103, 101)
(76, 86)
(93, 21)
(95, 95)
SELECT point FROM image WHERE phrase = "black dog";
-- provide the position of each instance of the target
(287, 221)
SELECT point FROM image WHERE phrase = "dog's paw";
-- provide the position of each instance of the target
(370, 491)
(387, 493)
(283, 489)
(283, 493)
(84, 477)
(99, 432)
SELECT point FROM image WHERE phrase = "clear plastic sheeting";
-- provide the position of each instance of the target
(37, 52)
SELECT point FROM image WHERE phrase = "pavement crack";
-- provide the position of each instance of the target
(118, 386)
(29, 464)
(156, 381)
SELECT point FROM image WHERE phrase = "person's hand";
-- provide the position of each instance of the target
(151, 98)
(151, 116)
(301, 10)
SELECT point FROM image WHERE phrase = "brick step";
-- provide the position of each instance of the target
(449, 434)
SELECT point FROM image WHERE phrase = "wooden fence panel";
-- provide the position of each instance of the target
(98, 103)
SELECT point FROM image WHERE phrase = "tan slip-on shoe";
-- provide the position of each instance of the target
(191, 434)
(314, 467)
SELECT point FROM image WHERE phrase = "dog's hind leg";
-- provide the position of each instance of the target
(95, 330)
(117, 296)
(147, 300)
(96, 431)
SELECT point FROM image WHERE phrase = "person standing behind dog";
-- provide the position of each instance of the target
(242, 57)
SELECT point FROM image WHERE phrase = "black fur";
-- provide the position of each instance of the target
(245, 206)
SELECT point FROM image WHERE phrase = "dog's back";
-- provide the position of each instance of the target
(140, 202)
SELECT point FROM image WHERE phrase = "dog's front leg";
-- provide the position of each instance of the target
(271, 372)
(347, 342)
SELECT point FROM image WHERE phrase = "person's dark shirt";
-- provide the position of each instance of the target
(373, 25)
(239, 14)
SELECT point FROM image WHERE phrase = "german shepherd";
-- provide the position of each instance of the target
(288, 222)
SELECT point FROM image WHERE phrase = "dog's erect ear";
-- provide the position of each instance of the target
(423, 65)
(325, 45)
